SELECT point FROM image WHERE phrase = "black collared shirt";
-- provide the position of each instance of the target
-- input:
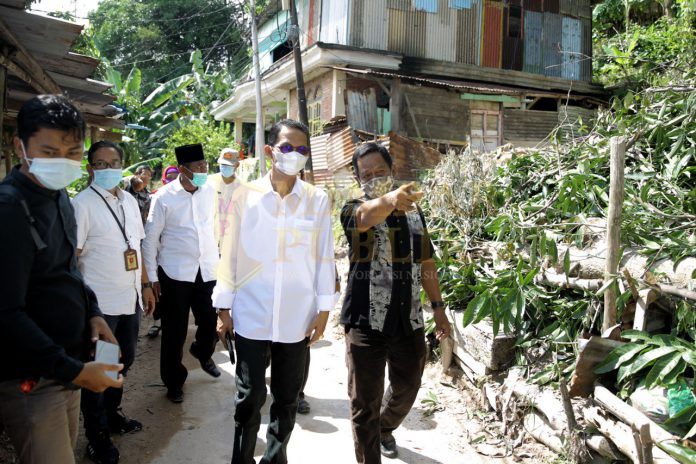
(45, 306)
(384, 277)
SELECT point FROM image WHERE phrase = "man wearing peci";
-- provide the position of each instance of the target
(181, 257)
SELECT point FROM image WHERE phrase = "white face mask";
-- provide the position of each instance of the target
(378, 186)
(54, 173)
(290, 163)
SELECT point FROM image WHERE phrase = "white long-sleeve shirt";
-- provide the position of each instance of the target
(277, 268)
(102, 261)
(179, 233)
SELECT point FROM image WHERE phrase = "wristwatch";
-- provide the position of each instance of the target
(219, 310)
(147, 284)
(437, 304)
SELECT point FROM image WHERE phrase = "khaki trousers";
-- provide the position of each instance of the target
(43, 424)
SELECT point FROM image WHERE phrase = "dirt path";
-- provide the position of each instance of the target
(200, 430)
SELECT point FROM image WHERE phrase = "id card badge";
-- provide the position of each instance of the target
(131, 258)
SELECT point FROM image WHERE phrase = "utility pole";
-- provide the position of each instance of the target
(259, 138)
(301, 97)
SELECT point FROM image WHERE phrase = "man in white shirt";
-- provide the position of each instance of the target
(109, 231)
(181, 256)
(276, 282)
(225, 183)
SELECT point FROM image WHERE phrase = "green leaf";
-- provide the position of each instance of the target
(672, 376)
(681, 453)
(133, 83)
(645, 359)
(520, 305)
(634, 335)
(618, 356)
(661, 368)
(165, 91)
(473, 308)
(534, 251)
(566, 262)
(553, 252)
(604, 287)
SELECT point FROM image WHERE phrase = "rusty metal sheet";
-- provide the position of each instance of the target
(369, 24)
(552, 6)
(468, 45)
(571, 43)
(534, 5)
(339, 149)
(552, 44)
(513, 42)
(407, 32)
(492, 35)
(533, 45)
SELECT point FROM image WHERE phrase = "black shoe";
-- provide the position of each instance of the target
(210, 368)
(119, 423)
(100, 450)
(303, 406)
(387, 446)
(208, 365)
(153, 331)
(175, 396)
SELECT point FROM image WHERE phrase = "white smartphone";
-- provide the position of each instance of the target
(107, 353)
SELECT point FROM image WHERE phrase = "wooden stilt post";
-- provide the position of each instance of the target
(616, 198)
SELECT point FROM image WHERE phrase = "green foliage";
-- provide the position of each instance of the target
(652, 49)
(214, 137)
(158, 35)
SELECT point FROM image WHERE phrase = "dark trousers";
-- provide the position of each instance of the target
(306, 373)
(373, 411)
(99, 408)
(176, 299)
(287, 373)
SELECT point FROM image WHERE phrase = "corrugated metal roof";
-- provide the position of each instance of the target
(339, 149)
(473, 87)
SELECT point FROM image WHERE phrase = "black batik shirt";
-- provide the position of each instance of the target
(384, 277)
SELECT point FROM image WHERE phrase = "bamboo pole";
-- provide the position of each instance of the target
(616, 197)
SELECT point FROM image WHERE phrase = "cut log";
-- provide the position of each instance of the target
(495, 352)
(590, 353)
(604, 447)
(629, 414)
(545, 401)
(552, 279)
(542, 432)
(619, 433)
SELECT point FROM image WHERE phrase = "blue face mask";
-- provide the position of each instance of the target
(107, 178)
(199, 179)
(54, 173)
(226, 170)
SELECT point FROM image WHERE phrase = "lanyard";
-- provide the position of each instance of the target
(122, 228)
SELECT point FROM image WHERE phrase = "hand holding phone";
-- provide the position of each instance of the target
(107, 353)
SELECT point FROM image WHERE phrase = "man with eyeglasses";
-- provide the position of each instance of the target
(109, 232)
(275, 289)
(181, 256)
